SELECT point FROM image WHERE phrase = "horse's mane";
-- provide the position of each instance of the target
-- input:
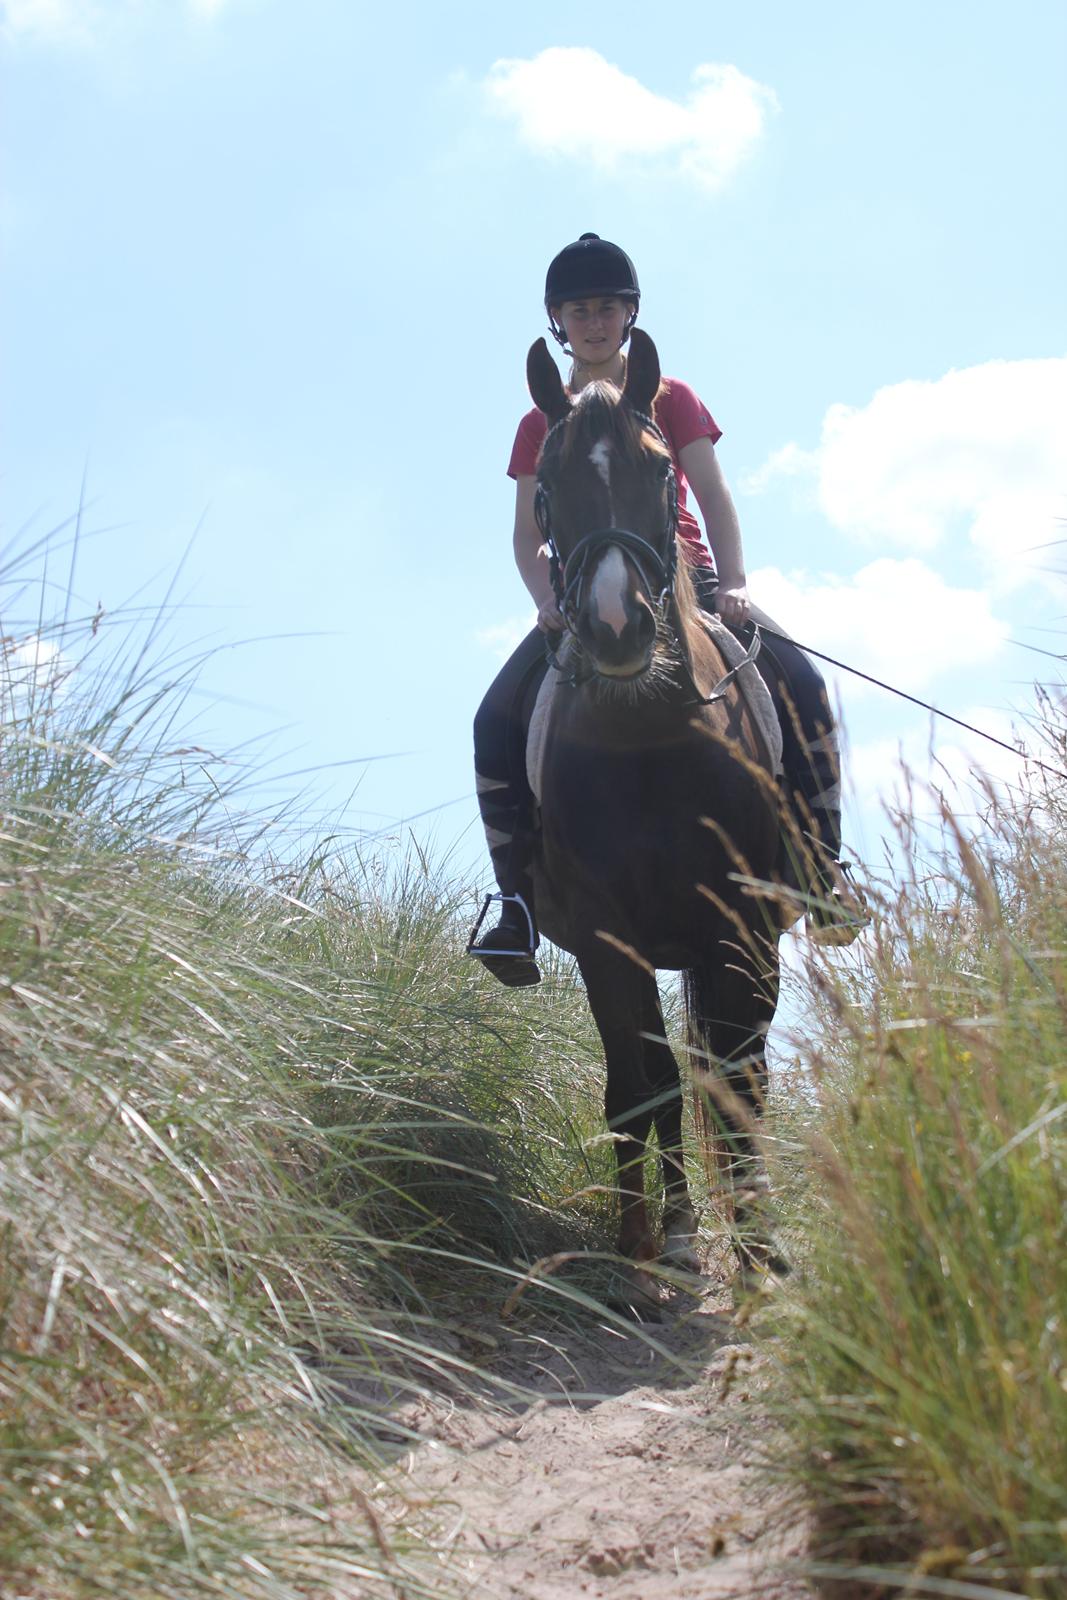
(685, 598)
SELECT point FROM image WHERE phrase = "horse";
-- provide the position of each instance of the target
(659, 809)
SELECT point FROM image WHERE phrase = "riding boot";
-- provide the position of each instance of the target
(507, 949)
(508, 808)
(836, 914)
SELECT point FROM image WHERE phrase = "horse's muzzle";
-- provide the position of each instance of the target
(619, 652)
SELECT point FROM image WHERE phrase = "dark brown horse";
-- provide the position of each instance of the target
(653, 802)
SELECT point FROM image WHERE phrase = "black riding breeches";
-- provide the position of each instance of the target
(504, 796)
(811, 772)
(811, 764)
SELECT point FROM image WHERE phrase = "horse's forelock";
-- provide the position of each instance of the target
(601, 411)
(593, 417)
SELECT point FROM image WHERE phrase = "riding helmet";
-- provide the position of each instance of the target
(590, 265)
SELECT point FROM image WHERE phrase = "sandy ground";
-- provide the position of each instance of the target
(624, 1471)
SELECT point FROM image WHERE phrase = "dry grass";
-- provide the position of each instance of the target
(250, 1111)
(923, 1341)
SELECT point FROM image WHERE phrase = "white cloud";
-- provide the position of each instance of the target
(81, 22)
(788, 462)
(55, 19)
(503, 637)
(894, 619)
(981, 450)
(571, 102)
(939, 759)
(32, 666)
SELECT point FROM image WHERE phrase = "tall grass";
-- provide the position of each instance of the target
(923, 1340)
(251, 1109)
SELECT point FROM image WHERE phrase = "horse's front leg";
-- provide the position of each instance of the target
(661, 1070)
(732, 1003)
(621, 997)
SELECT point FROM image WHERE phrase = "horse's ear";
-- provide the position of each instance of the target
(642, 372)
(546, 385)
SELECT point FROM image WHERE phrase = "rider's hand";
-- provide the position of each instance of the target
(731, 603)
(549, 617)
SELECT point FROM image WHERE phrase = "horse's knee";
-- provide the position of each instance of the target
(746, 1085)
(627, 1112)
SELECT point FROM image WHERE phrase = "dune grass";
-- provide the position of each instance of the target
(252, 1112)
(266, 1133)
(923, 1340)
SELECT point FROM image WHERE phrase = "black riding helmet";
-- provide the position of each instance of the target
(590, 266)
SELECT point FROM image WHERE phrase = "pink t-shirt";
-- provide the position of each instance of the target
(681, 416)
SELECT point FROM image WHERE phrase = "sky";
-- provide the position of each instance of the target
(271, 273)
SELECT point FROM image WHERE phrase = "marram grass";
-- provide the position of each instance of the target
(247, 1113)
(923, 1338)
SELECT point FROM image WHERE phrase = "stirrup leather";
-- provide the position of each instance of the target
(504, 899)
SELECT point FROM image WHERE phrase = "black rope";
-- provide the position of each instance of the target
(915, 701)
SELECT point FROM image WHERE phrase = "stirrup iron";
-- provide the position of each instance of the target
(512, 899)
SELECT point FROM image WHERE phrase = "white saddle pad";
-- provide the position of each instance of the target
(756, 693)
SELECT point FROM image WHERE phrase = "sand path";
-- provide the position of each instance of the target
(626, 1472)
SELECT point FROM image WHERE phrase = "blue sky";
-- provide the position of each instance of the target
(272, 272)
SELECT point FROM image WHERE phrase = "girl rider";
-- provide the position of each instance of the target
(592, 296)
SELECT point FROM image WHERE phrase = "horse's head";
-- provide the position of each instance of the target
(606, 504)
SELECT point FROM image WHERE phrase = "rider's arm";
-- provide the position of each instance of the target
(701, 466)
(531, 557)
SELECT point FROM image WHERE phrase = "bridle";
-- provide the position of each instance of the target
(657, 572)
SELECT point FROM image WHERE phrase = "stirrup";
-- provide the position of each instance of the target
(835, 920)
(504, 899)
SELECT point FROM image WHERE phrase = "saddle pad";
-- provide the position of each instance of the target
(535, 734)
(756, 693)
(757, 697)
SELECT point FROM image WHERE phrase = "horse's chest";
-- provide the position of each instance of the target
(625, 847)
(612, 809)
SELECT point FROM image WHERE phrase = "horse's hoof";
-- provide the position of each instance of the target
(636, 1292)
(680, 1256)
(761, 1272)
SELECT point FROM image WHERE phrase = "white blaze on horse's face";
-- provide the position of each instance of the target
(610, 580)
(600, 456)
(608, 594)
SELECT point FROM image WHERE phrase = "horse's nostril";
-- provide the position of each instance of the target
(625, 650)
(646, 626)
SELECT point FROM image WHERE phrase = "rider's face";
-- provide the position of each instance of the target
(595, 327)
